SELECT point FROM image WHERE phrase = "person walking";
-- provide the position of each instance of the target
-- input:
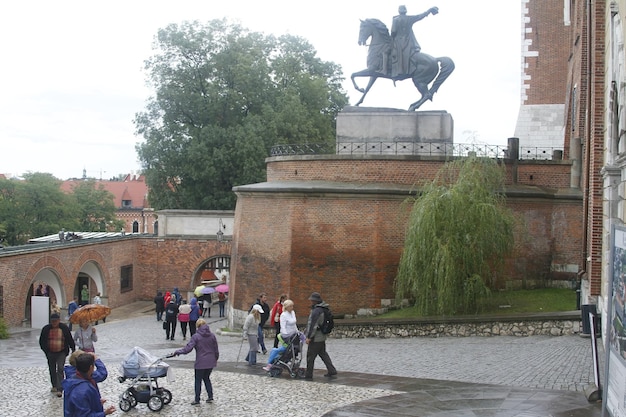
(194, 315)
(56, 341)
(85, 336)
(251, 332)
(159, 302)
(183, 318)
(221, 301)
(206, 305)
(207, 354)
(98, 301)
(71, 308)
(171, 313)
(277, 310)
(265, 315)
(315, 339)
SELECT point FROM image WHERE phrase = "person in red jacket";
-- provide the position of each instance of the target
(275, 313)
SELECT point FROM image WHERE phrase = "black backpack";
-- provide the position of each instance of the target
(327, 325)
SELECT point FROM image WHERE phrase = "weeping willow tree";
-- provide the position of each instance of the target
(458, 234)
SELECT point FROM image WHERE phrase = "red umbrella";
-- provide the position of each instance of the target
(90, 312)
(222, 288)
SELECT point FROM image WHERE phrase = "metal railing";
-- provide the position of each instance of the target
(418, 148)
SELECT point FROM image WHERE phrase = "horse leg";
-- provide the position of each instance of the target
(447, 66)
(363, 73)
(426, 95)
(369, 85)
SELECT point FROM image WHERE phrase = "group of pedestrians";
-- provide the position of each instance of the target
(172, 309)
(286, 328)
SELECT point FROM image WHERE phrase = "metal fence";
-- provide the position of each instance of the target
(417, 148)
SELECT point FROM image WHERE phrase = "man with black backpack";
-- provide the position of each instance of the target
(320, 323)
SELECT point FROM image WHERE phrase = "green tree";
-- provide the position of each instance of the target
(223, 97)
(458, 235)
(95, 208)
(34, 207)
(37, 207)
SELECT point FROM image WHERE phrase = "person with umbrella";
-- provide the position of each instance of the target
(56, 341)
(85, 336)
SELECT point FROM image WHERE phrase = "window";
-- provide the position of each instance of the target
(126, 203)
(135, 226)
(126, 278)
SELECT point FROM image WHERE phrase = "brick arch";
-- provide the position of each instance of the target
(194, 279)
(57, 268)
(93, 264)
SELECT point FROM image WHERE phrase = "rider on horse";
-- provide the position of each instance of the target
(405, 45)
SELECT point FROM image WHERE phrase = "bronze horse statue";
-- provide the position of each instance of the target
(423, 68)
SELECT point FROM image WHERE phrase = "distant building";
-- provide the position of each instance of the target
(130, 199)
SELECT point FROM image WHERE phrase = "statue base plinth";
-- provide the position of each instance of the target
(394, 131)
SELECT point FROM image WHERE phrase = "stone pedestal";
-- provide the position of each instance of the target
(370, 130)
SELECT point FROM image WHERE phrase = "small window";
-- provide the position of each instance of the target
(126, 278)
(135, 226)
(126, 203)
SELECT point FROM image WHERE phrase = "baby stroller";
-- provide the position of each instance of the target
(290, 359)
(143, 371)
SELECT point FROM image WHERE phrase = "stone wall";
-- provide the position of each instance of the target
(555, 324)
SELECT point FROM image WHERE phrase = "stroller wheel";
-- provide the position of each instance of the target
(301, 372)
(275, 371)
(128, 396)
(166, 395)
(125, 405)
(155, 403)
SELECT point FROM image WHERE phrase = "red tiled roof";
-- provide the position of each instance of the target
(135, 190)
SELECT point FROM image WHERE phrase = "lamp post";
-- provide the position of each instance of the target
(220, 233)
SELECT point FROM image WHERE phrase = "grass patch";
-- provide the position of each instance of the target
(545, 300)
(4, 330)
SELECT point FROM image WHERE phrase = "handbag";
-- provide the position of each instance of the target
(164, 325)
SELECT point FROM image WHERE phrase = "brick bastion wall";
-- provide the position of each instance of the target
(336, 224)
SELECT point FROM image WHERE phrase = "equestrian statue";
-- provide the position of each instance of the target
(397, 56)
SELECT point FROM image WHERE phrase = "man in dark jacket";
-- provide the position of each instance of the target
(316, 339)
(171, 313)
(56, 341)
(159, 300)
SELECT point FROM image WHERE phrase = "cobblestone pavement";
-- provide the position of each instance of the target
(369, 369)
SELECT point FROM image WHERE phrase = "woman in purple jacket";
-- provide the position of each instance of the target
(207, 354)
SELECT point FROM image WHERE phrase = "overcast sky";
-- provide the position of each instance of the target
(72, 71)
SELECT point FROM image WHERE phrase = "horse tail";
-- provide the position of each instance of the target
(446, 67)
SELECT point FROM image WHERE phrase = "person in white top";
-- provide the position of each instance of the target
(288, 329)
(288, 325)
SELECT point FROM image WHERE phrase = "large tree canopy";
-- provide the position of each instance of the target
(458, 235)
(223, 97)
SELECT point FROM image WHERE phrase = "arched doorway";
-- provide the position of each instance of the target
(90, 275)
(49, 279)
(216, 268)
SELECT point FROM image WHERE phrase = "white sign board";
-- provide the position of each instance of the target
(39, 311)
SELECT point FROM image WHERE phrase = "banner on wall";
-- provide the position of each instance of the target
(614, 398)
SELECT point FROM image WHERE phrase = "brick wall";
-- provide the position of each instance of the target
(403, 170)
(346, 243)
(158, 264)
